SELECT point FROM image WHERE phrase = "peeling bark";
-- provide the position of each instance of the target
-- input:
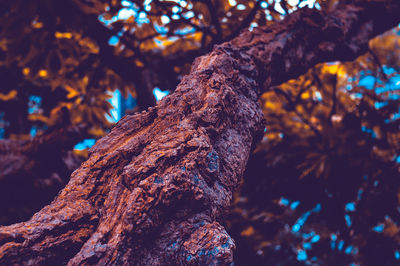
(153, 190)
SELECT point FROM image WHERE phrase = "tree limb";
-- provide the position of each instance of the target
(154, 189)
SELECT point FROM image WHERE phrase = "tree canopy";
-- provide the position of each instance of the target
(321, 187)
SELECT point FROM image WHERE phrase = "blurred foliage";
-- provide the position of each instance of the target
(323, 185)
(58, 59)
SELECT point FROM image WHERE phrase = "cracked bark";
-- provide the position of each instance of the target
(153, 190)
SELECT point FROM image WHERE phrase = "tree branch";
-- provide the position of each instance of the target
(214, 19)
(378, 63)
(334, 98)
(153, 190)
(246, 22)
(32, 172)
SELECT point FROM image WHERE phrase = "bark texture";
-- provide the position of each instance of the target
(153, 190)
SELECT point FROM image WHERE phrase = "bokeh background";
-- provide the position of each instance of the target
(321, 188)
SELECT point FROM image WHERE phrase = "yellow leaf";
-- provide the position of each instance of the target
(82, 153)
(87, 43)
(26, 71)
(42, 73)
(299, 109)
(248, 231)
(97, 131)
(305, 95)
(139, 63)
(330, 68)
(37, 25)
(71, 92)
(3, 45)
(65, 35)
(313, 120)
(270, 105)
(38, 117)
(167, 42)
(85, 80)
(197, 36)
(334, 69)
(9, 96)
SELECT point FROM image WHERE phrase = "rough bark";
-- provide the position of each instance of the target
(153, 190)
(33, 171)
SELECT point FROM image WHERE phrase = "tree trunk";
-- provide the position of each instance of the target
(153, 190)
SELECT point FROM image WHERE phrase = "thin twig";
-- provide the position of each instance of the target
(378, 63)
